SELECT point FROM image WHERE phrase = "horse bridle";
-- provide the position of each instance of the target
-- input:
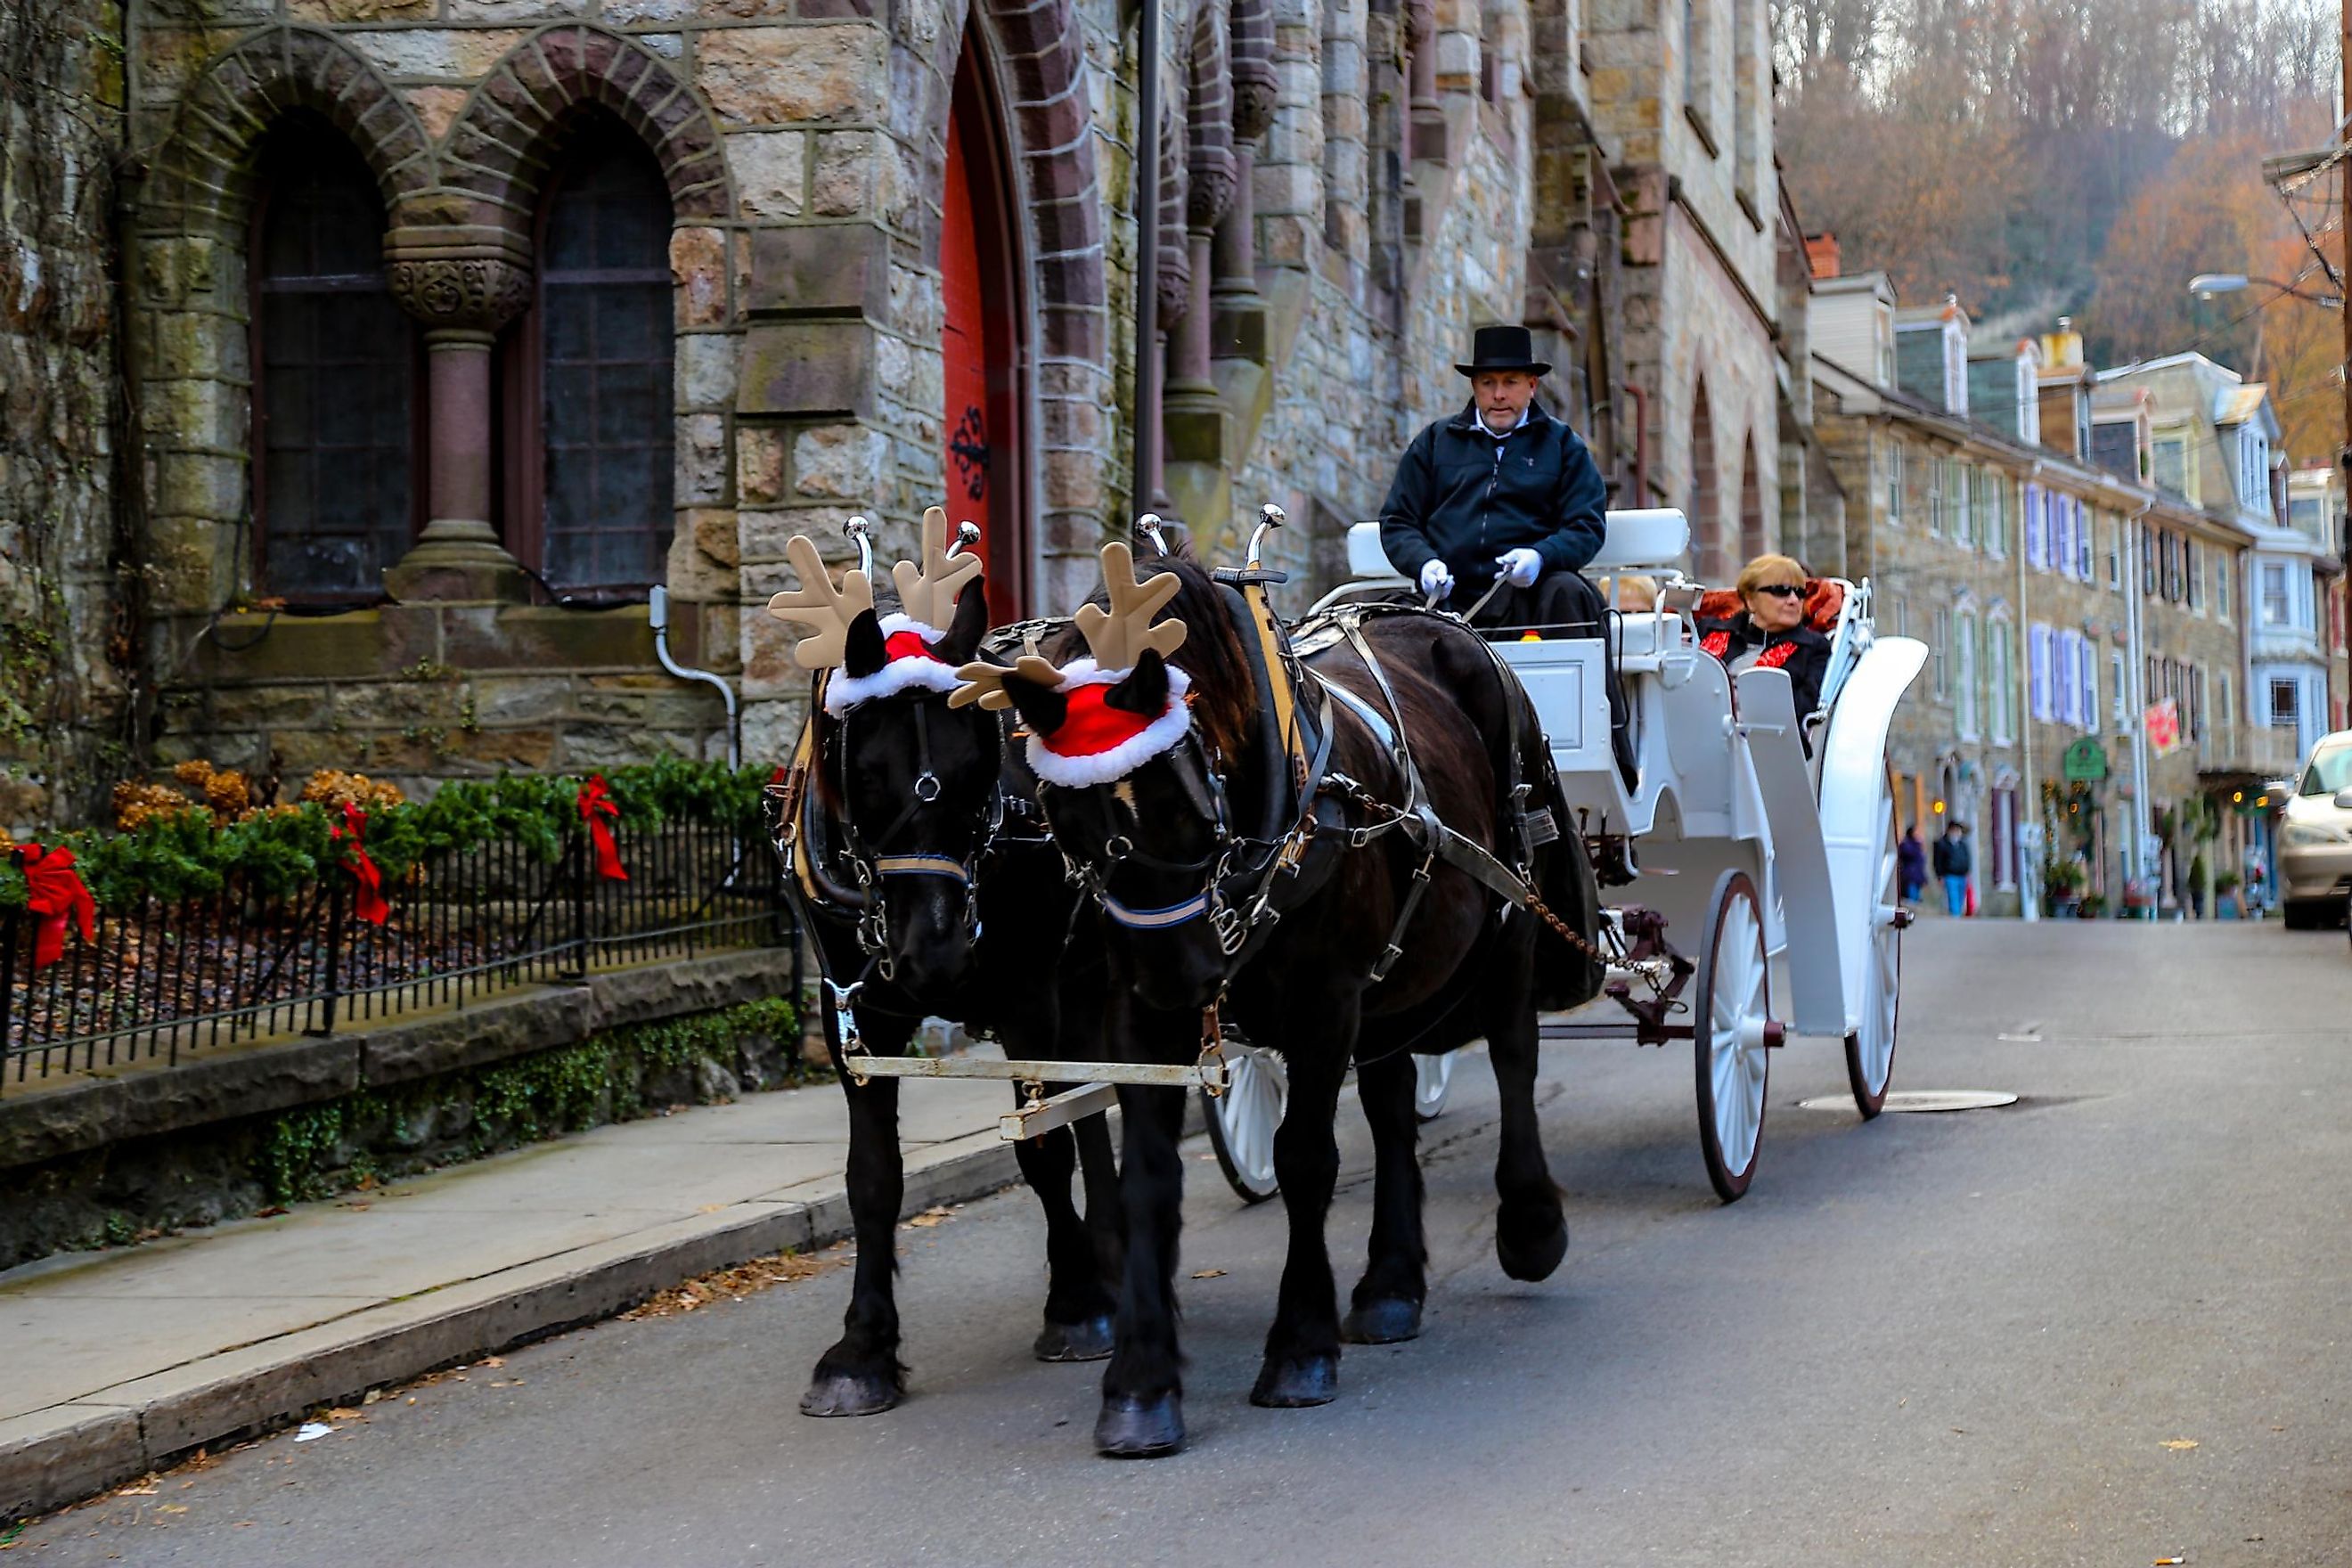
(869, 866)
(1232, 919)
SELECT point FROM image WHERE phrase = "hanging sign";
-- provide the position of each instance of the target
(2162, 727)
(2085, 761)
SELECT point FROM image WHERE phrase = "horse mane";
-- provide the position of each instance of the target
(1224, 695)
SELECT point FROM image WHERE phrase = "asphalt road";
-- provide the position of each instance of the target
(1990, 1337)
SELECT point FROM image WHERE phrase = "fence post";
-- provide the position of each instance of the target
(575, 870)
(335, 878)
(12, 927)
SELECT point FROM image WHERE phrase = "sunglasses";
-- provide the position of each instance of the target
(1781, 590)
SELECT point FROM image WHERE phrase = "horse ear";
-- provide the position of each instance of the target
(1041, 707)
(970, 624)
(1145, 691)
(865, 650)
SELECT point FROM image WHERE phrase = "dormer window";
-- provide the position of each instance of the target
(2254, 469)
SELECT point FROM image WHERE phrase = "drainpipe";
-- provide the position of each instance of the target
(657, 611)
(2029, 888)
(2138, 681)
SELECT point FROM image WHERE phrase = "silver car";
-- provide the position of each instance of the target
(2315, 854)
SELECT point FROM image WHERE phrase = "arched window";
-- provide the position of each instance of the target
(589, 502)
(335, 398)
(2000, 682)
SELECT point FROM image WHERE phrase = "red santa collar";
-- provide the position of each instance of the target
(1096, 743)
(913, 666)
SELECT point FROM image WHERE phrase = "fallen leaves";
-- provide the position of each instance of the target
(932, 1216)
(2180, 1445)
(734, 1284)
(1208, 1274)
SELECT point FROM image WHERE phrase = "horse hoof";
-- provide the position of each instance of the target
(1532, 1257)
(846, 1394)
(1386, 1321)
(1295, 1384)
(1133, 1429)
(1087, 1340)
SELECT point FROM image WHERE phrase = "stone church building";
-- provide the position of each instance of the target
(398, 348)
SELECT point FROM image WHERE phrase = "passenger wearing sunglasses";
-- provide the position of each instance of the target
(1771, 631)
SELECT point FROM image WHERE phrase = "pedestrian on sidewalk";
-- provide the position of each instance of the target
(1953, 864)
(1911, 864)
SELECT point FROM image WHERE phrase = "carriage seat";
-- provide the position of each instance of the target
(1647, 537)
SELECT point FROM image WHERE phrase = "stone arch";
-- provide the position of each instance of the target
(496, 155)
(202, 173)
(1039, 59)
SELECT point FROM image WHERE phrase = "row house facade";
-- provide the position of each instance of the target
(2315, 507)
(454, 328)
(2059, 599)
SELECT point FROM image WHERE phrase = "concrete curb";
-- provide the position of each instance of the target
(69, 1452)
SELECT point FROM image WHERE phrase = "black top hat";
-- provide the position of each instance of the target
(1503, 348)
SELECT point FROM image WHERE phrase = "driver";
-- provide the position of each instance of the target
(1504, 490)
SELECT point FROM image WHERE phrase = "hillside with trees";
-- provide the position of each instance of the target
(2040, 158)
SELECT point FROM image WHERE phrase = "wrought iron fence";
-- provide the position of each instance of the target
(238, 963)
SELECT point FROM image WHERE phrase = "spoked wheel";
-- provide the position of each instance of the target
(1242, 1120)
(1731, 1003)
(1432, 1077)
(1870, 1049)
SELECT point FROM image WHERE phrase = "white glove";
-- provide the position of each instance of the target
(1436, 579)
(1521, 566)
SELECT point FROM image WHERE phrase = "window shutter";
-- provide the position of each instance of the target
(2090, 686)
(2037, 643)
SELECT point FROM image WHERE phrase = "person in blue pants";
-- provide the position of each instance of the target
(1952, 866)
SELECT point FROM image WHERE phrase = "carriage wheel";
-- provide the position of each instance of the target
(1432, 1077)
(1243, 1120)
(1731, 1001)
(1870, 1049)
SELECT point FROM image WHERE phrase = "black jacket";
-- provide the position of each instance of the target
(1952, 856)
(1463, 496)
(1807, 661)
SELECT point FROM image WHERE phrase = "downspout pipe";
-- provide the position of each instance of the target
(2134, 623)
(2029, 901)
(658, 613)
(1641, 397)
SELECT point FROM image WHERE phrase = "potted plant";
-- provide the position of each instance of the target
(2199, 882)
(2094, 907)
(2063, 884)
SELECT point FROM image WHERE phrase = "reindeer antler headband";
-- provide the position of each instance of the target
(1095, 737)
(927, 593)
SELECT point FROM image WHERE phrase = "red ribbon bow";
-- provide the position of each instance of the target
(371, 906)
(597, 810)
(56, 894)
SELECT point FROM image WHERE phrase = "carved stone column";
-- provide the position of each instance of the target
(463, 298)
(1428, 126)
(1240, 328)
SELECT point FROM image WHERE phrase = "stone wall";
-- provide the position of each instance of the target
(66, 581)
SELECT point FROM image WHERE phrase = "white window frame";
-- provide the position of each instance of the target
(2090, 686)
(2037, 659)
(1964, 517)
(2119, 678)
(1893, 482)
(1966, 676)
(1942, 644)
(2285, 618)
(2000, 678)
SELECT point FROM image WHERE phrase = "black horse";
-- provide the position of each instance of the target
(1296, 880)
(931, 892)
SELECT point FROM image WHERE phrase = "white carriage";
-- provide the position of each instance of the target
(1737, 853)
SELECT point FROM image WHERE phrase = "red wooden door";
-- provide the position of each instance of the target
(979, 420)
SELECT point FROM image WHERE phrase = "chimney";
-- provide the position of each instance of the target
(1821, 254)
(2063, 349)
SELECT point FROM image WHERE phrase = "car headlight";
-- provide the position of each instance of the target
(2314, 832)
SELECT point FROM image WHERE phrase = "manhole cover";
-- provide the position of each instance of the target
(1920, 1100)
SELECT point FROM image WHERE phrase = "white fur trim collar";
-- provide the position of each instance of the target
(899, 621)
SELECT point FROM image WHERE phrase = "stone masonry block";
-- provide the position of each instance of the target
(839, 462)
(808, 367)
(705, 372)
(760, 463)
(697, 263)
(435, 53)
(842, 270)
(771, 172)
(843, 183)
(785, 76)
(701, 463)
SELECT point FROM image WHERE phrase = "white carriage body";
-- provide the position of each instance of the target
(1725, 785)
